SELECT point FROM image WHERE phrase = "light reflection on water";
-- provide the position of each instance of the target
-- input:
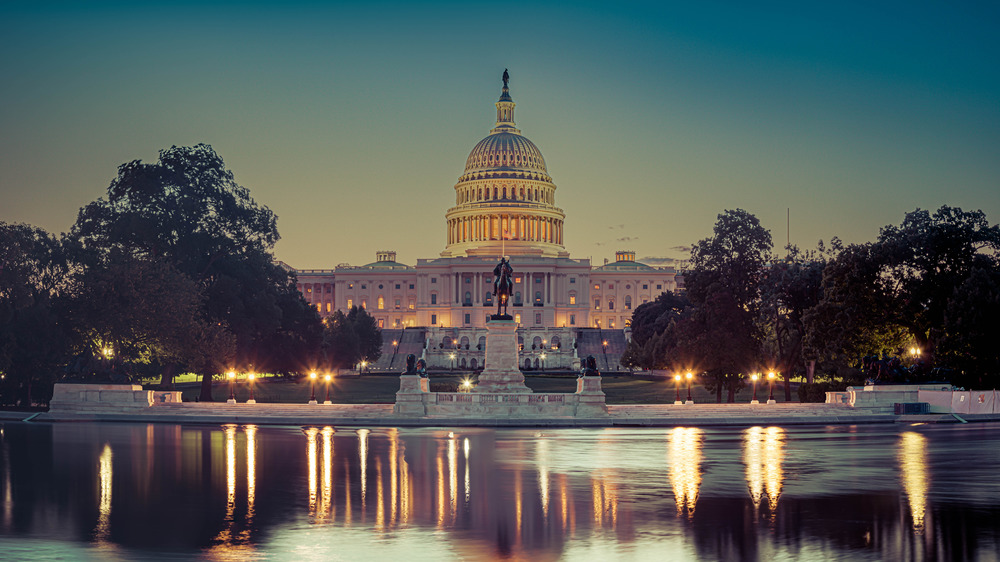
(488, 494)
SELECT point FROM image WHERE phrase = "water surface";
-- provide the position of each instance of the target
(243, 492)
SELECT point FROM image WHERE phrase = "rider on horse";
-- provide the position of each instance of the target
(502, 284)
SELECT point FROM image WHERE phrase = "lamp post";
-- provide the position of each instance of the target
(251, 377)
(328, 378)
(753, 379)
(312, 386)
(689, 376)
(363, 365)
(677, 386)
(232, 389)
(543, 361)
(452, 356)
(770, 383)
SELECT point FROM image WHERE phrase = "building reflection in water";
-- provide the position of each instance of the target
(684, 457)
(912, 457)
(763, 452)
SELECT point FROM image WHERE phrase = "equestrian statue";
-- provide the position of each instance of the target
(502, 285)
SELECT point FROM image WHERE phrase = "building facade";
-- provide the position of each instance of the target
(505, 204)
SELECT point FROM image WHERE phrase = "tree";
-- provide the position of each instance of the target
(856, 315)
(790, 287)
(972, 331)
(652, 324)
(134, 313)
(34, 344)
(722, 336)
(351, 338)
(735, 258)
(188, 211)
(927, 257)
(719, 340)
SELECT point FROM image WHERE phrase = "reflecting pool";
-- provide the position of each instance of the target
(244, 492)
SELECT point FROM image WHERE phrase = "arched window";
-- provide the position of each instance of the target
(488, 298)
(381, 303)
(465, 342)
(611, 304)
(482, 343)
(463, 362)
(473, 364)
(538, 297)
(468, 299)
(556, 342)
(628, 302)
(527, 363)
(505, 193)
(536, 343)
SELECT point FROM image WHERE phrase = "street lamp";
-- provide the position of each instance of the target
(753, 379)
(689, 376)
(452, 356)
(454, 342)
(251, 377)
(328, 380)
(543, 361)
(232, 388)
(363, 365)
(466, 385)
(677, 385)
(770, 382)
(312, 386)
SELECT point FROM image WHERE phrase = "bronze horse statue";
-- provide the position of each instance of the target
(502, 285)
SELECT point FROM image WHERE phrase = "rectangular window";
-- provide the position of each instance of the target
(397, 286)
(597, 304)
(434, 319)
(572, 279)
(411, 286)
(434, 279)
(517, 318)
(329, 288)
(411, 305)
(517, 279)
(434, 298)
(611, 305)
(645, 286)
(659, 287)
(611, 286)
(597, 287)
(572, 299)
(381, 303)
(363, 286)
(364, 304)
(398, 304)
(350, 304)
(538, 279)
(381, 323)
(538, 318)
(328, 307)
(572, 319)
(468, 319)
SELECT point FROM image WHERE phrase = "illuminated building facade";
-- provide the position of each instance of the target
(505, 204)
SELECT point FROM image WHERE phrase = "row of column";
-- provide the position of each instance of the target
(516, 227)
(527, 287)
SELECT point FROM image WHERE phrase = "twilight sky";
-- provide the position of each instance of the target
(352, 122)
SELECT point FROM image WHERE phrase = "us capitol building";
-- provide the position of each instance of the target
(505, 204)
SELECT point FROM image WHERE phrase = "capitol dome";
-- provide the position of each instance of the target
(505, 151)
(505, 198)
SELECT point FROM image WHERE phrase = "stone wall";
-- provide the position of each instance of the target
(106, 398)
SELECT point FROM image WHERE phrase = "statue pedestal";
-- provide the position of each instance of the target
(410, 399)
(501, 373)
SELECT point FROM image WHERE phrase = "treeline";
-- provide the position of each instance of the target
(173, 272)
(920, 303)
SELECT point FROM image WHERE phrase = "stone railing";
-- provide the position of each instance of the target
(415, 399)
(106, 398)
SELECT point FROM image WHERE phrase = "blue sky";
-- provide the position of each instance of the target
(353, 122)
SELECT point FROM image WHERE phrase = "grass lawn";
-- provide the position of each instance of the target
(381, 389)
